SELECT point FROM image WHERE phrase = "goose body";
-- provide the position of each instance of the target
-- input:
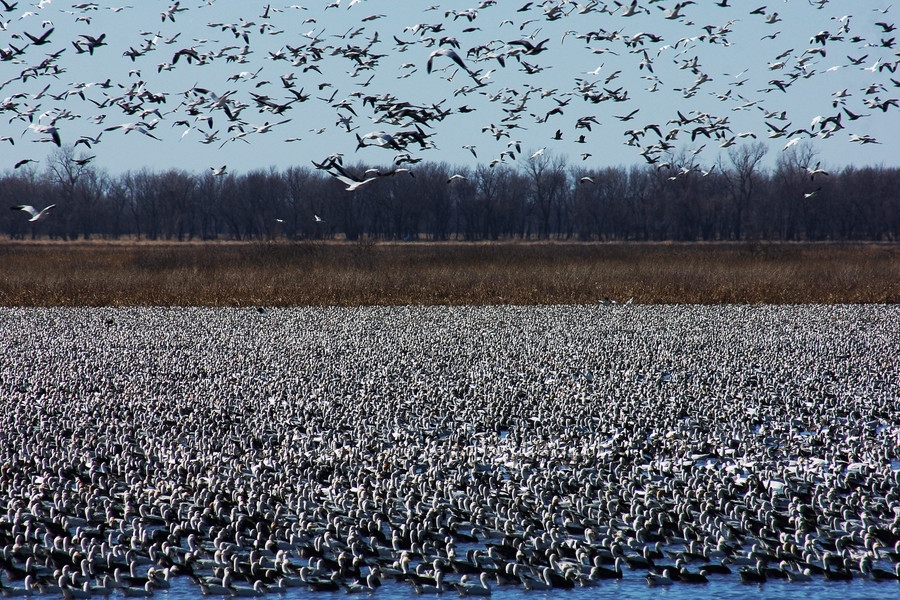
(657, 580)
(465, 588)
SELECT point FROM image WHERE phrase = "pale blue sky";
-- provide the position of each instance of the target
(742, 54)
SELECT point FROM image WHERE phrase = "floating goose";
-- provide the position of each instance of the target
(466, 588)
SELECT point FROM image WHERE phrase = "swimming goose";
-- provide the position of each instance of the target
(465, 588)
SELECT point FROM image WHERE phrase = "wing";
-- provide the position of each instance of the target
(27, 208)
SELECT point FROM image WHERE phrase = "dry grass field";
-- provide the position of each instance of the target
(343, 273)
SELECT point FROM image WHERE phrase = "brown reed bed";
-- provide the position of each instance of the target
(345, 273)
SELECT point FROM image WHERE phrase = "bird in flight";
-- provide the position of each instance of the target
(35, 214)
(42, 39)
(23, 162)
(450, 53)
(353, 185)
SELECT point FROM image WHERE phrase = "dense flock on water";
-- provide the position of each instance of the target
(462, 449)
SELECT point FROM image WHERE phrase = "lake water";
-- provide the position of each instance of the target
(631, 587)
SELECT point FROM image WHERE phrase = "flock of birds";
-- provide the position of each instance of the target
(409, 87)
(446, 449)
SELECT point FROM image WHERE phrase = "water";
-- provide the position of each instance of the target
(631, 587)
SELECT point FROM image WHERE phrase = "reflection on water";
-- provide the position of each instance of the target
(631, 587)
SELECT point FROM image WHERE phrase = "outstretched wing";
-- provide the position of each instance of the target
(27, 208)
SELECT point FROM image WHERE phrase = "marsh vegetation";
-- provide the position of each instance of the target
(370, 273)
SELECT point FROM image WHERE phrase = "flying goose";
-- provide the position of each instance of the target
(35, 214)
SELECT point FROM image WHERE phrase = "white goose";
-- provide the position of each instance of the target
(465, 588)
(35, 214)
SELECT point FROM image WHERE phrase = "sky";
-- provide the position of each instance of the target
(727, 73)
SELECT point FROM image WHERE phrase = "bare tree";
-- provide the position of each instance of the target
(432, 186)
(176, 195)
(740, 179)
(791, 184)
(207, 192)
(868, 207)
(499, 201)
(145, 205)
(77, 190)
(541, 198)
(303, 202)
(117, 201)
(549, 191)
(638, 202)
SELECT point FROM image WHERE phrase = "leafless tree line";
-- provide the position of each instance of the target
(539, 198)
